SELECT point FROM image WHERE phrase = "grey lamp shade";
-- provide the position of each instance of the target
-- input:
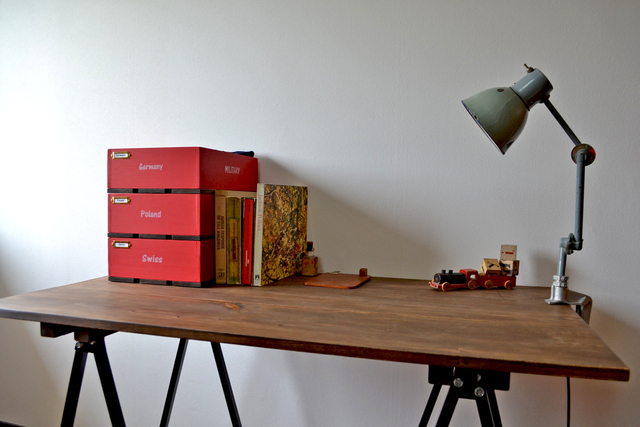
(500, 113)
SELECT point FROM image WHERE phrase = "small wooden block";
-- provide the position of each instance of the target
(510, 268)
(340, 281)
(490, 267)
(508, 252)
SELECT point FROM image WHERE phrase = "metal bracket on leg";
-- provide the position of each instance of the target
(224, 380)
(473, 384)
(94, 345)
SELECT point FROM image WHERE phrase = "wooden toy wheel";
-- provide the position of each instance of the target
(473, 284)
(509, 284)
(446, 287)
(488, 284)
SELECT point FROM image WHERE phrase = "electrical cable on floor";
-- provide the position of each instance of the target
(568, 402)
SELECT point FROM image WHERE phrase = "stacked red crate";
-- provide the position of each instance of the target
(161, 211)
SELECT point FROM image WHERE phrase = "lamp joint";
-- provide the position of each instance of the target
(583, 152)
(570, 244)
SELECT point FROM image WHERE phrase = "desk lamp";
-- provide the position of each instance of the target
(501, 113)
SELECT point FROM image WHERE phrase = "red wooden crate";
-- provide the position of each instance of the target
(162, 214)
(178, 262)
(180, 168)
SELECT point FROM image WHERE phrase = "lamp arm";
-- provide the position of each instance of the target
(560, 120)
(574, 241)
(583, 155)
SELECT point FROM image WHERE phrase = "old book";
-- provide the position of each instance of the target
(248, 218)
(221, 230)
(234, 245)
(280, 232)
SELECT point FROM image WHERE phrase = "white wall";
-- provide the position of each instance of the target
(359, 100)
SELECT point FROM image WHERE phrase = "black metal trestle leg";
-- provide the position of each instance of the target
(173, 384)
(448, 408)
(431, 403)
(487, 417)
(466, 384)
(226, 384)
(493, 406)
(73, 392)
(97, 347)
(224, 380)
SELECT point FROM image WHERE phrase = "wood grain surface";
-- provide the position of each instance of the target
(385, 319)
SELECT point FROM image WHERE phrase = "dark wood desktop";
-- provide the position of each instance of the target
(486, 331)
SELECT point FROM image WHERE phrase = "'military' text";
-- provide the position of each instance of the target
(232, 169)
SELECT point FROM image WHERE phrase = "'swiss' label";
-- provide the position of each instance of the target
(152, 258)
(121, 245)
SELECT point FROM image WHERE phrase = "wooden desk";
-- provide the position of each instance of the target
(385, 319)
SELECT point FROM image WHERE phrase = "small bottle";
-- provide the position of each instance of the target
(309, 262)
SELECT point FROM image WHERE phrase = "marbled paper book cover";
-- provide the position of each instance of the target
(280, 232)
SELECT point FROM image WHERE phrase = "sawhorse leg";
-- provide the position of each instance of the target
(224, 380)
(91, 342)
(226, 384)
(466, 384)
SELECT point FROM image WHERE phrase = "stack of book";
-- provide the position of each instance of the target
(234, 218)
(262, 235)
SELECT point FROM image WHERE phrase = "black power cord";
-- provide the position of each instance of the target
(568, 402)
